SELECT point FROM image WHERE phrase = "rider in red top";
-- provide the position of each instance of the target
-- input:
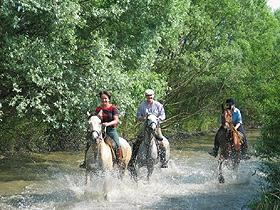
(109, 115)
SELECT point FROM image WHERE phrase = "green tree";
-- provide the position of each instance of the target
(55, 58)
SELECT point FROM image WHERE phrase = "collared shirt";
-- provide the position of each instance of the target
(155, 108)
(236, 116)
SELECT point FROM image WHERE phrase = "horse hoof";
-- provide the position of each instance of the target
(221, 179)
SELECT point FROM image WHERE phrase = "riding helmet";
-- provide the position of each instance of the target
(230, 101)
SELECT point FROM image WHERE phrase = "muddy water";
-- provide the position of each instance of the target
(54, 181)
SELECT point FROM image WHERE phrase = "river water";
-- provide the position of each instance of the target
(54, 181)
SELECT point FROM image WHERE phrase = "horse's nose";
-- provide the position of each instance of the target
(94, 135)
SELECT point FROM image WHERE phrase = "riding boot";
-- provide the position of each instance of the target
(214, 151)
(83, 164)
(119, 154)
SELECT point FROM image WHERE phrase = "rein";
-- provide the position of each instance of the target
(98, 134)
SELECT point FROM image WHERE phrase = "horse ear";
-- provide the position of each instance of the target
(88, 114)
(99, 114)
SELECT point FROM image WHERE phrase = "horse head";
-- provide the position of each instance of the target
(151, 121)
(95, 126)
(226, 117)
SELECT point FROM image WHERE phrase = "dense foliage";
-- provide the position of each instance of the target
(56, 55)
(268, 146)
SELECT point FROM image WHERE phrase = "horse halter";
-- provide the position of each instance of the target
(151, 121)
(150, 124)
(95, 133)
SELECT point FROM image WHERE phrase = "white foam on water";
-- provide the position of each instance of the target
(188, 183)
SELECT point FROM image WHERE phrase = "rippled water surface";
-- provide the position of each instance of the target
(54, 181)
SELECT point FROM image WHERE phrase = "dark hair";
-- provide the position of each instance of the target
(230, 101)
(105, 92)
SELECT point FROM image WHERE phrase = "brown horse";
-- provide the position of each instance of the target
(229, 140)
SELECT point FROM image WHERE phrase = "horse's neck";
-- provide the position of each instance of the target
(99, 143)
(148, 137)
(227, 120)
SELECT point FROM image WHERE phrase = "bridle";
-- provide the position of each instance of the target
(95, 134)
(149, 124)
(98, 134)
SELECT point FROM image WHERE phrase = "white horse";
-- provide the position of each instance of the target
(151, 151)
(99, 157)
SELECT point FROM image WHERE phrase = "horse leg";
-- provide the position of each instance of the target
(86, 180)
(150, 167)
(121, 169)
(162, 155)
(106, 187)
(220, 175)
(236, 160)
(133, 171)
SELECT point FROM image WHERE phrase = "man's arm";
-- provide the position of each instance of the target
(161, 115)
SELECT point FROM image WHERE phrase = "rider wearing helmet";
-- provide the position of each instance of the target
(237, 122)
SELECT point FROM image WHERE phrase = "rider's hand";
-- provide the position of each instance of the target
(105, 124)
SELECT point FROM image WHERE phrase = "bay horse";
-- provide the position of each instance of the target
(151, 151)
(100, 155)
(230, 143)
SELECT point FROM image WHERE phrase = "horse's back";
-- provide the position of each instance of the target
(126, 149)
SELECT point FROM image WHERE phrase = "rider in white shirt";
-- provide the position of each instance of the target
(150, 106)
